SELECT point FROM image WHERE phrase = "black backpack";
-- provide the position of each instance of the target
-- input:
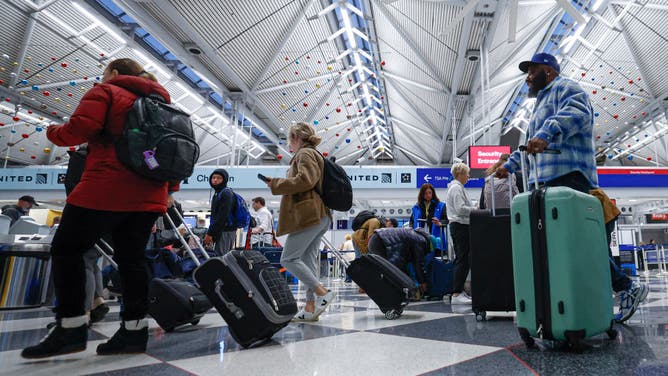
(158, 141)
(75, 168)
(362, 217)
(337, 192)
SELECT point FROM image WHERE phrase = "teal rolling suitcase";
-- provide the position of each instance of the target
(560, 266)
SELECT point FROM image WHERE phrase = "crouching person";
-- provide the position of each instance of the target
(403, 247)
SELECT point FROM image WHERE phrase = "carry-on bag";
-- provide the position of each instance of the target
(560, 266)
(251, 295)
(492, 287)
(176, 302)
(388, 287)
(439, 274)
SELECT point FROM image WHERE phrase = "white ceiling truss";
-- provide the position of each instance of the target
(401, 82)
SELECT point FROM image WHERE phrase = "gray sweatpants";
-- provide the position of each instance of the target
(301, 254)
(225, 243)
(94, 285)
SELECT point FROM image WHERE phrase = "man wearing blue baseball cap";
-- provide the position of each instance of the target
(563, 119)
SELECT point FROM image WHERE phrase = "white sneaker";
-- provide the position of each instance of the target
(322, 302)
(460, 299)
(304, 316)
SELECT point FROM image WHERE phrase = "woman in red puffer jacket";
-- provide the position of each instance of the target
(110, 198)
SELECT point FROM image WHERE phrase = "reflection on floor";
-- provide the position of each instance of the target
(354, 338)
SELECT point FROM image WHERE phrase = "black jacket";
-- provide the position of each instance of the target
(402, 246)
(14, 212)
(222, 204)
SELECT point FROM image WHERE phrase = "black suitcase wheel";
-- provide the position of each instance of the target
(481, 316)
(527, 338)
(194, 322)
(612, 333)
(392, 314)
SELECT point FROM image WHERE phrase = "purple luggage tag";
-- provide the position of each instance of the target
(149, 158)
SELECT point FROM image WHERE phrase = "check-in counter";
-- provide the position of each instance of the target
(25, 270)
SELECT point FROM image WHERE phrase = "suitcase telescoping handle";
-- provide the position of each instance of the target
(510, 192)
(183, 240)
(104, 254)
(523, 152)
(336, 252)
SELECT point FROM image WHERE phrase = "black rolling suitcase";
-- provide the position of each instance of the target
(388, 287)
(176, 302)
(251, 295)
(492, 287)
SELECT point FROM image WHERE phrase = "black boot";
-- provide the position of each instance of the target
(125, 341)
(59, 341)
(98, 313)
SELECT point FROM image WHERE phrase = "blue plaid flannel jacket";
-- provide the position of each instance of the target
(563, 117)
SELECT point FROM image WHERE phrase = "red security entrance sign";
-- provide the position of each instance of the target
(482, 157)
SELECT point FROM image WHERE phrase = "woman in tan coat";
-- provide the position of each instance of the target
(304, 217)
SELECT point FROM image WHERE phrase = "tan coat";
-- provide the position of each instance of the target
(610, 211)
(362, 235)
(301, 205)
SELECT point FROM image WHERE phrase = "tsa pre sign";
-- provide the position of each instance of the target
(438, 177)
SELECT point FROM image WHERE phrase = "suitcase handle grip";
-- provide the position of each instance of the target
(236, 311)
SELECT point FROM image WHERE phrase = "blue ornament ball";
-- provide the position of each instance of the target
(294, 110)
(50, 70)
(39, 129)
(315, 122)
(630, 157)
(347, 140)
(596, 114)
(72, 83)
(610, 156)
(284, 93)
(24, 82)
(13, 131)
(35, 87)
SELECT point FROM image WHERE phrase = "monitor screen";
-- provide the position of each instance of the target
(190, 220)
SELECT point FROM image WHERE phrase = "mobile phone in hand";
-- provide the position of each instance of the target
(263, 178)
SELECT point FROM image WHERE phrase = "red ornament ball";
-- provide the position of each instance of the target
(649, 158)
(594, 91)
(16, 118)
(72, 148)
(305, 104)
(46, 93)
(324, 153)
(338, 109)
(33, 157)
(64, 65)
(279, 157)
(25, 135)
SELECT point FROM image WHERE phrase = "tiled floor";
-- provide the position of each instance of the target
(354, 338)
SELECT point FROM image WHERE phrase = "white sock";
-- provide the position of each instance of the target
(73, 322)
(136, 324)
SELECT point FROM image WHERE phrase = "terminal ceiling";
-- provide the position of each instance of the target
(384, 82)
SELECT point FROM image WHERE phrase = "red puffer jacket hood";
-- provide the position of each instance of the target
(106, 184)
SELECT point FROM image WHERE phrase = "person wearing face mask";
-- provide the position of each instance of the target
(20, 209)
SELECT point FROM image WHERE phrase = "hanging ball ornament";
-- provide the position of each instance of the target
(25, 135)
(47, 150)
(630, 157)
(279, 157)
(324, 153)
(22, 150)
(347, 140)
